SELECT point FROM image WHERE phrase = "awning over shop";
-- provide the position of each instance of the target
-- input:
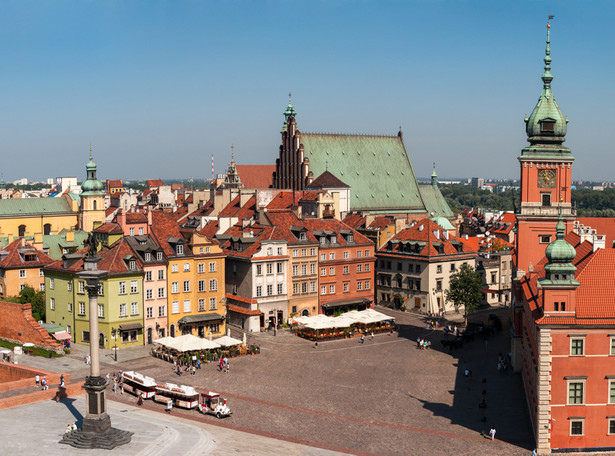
(487, 290)
(348, 302)
(242, 310)
(131, 326)
(200, 318)
(61, 335)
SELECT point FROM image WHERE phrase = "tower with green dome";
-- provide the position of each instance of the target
(546, 173)
(92, 211)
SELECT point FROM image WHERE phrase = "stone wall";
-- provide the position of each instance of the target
(17, 325)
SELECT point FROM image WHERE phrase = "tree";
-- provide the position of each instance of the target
(465, 289)
(36, 298)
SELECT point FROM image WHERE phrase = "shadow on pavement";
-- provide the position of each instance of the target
(69, 403)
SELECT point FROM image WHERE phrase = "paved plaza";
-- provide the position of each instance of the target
(382, 397)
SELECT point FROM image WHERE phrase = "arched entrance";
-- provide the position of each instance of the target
(172, 330)
(305, 313)
(101, 340)
(149, 336)
(47, 229)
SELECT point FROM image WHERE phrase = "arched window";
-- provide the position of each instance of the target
(22, 230)
(47, 229)
(94, 204)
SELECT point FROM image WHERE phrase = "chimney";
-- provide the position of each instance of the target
(70, 236)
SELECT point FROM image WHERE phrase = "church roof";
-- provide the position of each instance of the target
(327, 180)
(256, 176)
(24, 207)
(377, 169)
(434, 201)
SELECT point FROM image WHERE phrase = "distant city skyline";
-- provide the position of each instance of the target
(157, 88)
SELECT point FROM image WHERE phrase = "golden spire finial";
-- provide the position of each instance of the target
(232, 152)
(289, 96)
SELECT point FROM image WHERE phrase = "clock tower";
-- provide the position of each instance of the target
(546, 177)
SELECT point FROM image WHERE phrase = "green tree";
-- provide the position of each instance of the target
(36, 298)
(465, 289)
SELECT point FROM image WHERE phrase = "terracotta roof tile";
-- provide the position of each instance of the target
(16, 256)
(256, 176)
(109, 228)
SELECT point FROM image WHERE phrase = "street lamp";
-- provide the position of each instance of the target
(114, 335)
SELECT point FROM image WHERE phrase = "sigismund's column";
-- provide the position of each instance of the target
(96, 431)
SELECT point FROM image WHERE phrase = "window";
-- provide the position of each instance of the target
(174, 268)
(312, 287)
(346, 288)
(313, 268)
(162, 311)
(280, 289)
(85, 336)
(212, 267)
(41, 287)
(332, 256)
(438, 285)
(295, 253)
(202, 286)
(269, 290)
(22, 286)
(611, 391)
(575, 392)
(332, 289)
(323, 272)
(149, 312)
(41, 273)
(122, 288)
(259, 291)
(134, 308)
(259, 269)
(313, 251)
(295, 270)
(546, 199)
(359, 286)
(179, 249)
(201, 268)
(186, 286)
(52, 304)
(359, 254)
(161, 274)
(101, 311)
(132, 265)
(453, 268)
(359, 268)
(366, 267)
(149, 294)
(201, 305)
(545, 239)
(175, 307)
(101, 289)
(174, 287)
(131, 231)
(303, 269)
(611, 424)
(368, 285)
(323, 257)
(280, 268)
(323, 289)
(269, 251)
(159, 256)
(213, 285)
(82, 308)
(576, 426)
(69, 285)
(123, 310)
(577, 347)
(207, 249)
(51, 284)
(148, 276)
(22, 274)
(141, 231)
(187, 306)
(304, 287)
(345, 269)
(212, 303)
(332, 271)
(612, 345)
(366, 253)
(134, 288)
(161, 292)
(68, 329)
(186, 267)
(346, 255)
(493, 277)
(303, 252)
(269, 268)
(439, 269)
(296, 287)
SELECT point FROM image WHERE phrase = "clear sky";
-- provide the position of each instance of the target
(158, 86)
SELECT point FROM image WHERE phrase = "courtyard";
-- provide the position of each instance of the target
(380, 397)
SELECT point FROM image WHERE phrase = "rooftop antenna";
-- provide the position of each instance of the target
(212, 166)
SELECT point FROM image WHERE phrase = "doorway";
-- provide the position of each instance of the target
(149, 336)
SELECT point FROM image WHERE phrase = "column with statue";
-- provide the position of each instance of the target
(96, 431)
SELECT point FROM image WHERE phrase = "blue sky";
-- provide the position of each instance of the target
(158, 86)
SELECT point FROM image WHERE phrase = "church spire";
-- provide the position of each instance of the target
(560, 254)
(290, 112)
(547, 77)
(434, 176)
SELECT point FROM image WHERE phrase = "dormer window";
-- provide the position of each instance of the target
(333, 239)
(269, 251)
(159, 256)
(350, 238)
(302, 236)
(323, 240)
(132, 265)
(148, 256)
(179, 249)
(547, 125)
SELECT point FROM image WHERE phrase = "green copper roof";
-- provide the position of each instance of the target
(377, 169)
(56, 243)
(33, 206)
(91, 184)
(559, 269)
(546, 124)
(435, 203)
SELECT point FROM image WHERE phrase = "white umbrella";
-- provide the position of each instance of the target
(5, 351)
(227, 341)
(28, 344)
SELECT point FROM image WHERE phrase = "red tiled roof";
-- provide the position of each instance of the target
(136, 217)
(256, 176)
(177, 186)
(164, 226)
(109, 228)
(327, 180)
(284, 200)
(110, 210)
(381, 222)
(242, 310)
(114, 183)
(310, 196)
(209, 230)
(154, 183)
(233, 297)
(354, 221)
(14, 258)
(602, 225)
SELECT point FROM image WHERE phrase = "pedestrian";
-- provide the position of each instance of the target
(62, 381)
(169, 406)
(193, 370)
(37, 379)
(372, 334)
(221, 364)
(492, 434)
(140, 400)
(315, 344)
(121, 388)
(108, 380)
(198, 363)
(114, 385)
(534, 453)
(227, 367)
(418, 342)
(362, 339)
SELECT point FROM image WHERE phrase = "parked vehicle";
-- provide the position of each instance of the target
(211, 403)
(139, 384)
(182, 396)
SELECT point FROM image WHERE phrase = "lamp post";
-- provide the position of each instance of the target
(114, 335)
(96, 431)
